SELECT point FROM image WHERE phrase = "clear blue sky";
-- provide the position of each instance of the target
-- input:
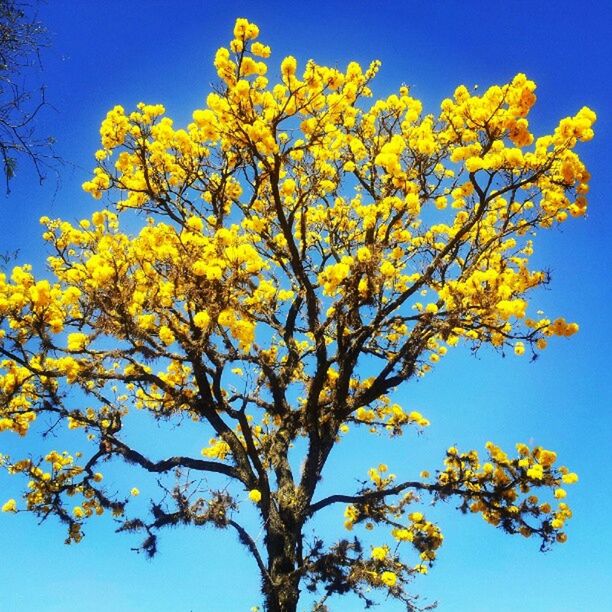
(118, 52)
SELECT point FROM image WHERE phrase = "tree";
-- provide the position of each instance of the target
(21, 38)
(302, 254)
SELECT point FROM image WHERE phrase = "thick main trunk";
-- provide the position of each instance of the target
(283, 594)
(284, 517)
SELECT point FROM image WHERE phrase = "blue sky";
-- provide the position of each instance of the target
(120, 52)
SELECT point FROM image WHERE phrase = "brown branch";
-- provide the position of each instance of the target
(165, 465)
(248, 541)
(445, 489)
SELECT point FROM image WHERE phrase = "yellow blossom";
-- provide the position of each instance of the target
(379, 553)
(9, 506)
(388, 578)
(255, 495)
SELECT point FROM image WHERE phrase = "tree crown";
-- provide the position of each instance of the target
(299, 253)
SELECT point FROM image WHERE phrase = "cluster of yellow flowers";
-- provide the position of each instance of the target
(423, 535)
(500, 489)
(216, 449)
(388, 416)
(474, 133)
(45, 485)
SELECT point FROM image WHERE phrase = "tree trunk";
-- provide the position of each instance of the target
(282, 546)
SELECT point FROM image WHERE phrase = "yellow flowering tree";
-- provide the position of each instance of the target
(301, 253)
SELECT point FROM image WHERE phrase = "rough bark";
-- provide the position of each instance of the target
(283, 544)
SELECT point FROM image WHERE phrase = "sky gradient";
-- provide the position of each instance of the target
(120, 52)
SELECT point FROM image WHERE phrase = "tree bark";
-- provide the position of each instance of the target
(282, 545)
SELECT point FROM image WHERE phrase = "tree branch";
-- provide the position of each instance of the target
(165, 465)
(248, 541)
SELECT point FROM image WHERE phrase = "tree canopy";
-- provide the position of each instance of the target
(275, 272)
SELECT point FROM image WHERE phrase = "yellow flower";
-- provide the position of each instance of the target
(76, 341)
(260, 50)
(473, 164)
(255, 495)
(403, 535)
(195, 224)
(547, 457)
(134, 492)
(441, 203)
(78, 512)
(364, 254)
(570, 478)
(288, 187)
(288, 66)
(387, 269)
(388, 578)
(379, 552)
(10, 506)
(166, 335)
(536, 472)
(201, 319)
